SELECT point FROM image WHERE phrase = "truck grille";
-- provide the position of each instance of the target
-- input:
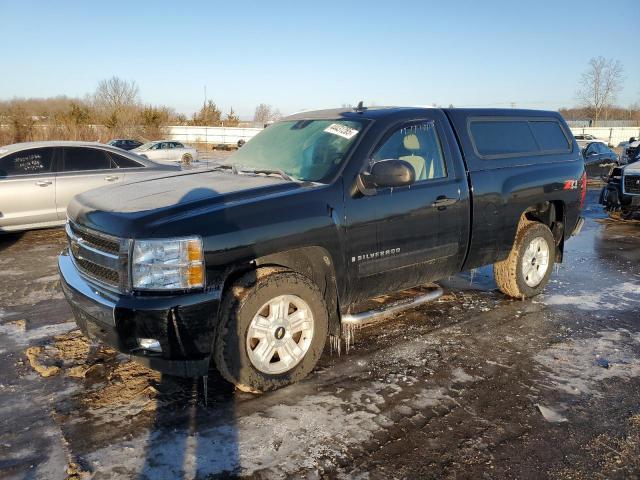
(99, 257)
(632, 184)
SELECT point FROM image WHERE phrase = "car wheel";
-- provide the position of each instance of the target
(526, 271)
(187, 159)
(274, 326)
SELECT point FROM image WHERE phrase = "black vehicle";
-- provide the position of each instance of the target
(621, 195)
(598, 159)
(124, 143)
(251, 265)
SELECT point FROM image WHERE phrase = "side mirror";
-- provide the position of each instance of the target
(389, 173)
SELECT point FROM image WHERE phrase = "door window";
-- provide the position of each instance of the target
(593, 148)
(82, 159)
(27, 162)
(418, 144)
(123, 162)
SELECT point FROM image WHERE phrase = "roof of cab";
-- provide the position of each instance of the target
(373, 113)
(370, 113)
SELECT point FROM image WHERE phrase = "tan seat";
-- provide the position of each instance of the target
(412, 145)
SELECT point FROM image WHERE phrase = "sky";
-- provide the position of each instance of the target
(298, 55)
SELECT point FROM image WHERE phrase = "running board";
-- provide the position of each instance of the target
(371, 316)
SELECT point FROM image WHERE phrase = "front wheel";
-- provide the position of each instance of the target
(526, 271)
(274, 325)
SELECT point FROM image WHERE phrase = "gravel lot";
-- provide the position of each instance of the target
(474, 385)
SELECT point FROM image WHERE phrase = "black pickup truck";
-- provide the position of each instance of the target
(250, 266)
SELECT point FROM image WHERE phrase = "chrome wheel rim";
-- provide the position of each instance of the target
(280, 334)
(535, 262)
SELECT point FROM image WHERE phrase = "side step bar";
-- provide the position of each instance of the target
(371, 316)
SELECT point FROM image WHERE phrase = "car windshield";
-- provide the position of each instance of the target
(146, 146)
(307, 150)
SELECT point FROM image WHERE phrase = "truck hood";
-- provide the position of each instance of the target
(633, 168)
(130, 208)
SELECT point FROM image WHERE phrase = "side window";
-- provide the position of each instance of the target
(27, 162)
(419, 145)
(178, 145)
(550, 136)
(503, 137)
(593, 148)
(123, 162)
(82, 159)
(157, 146)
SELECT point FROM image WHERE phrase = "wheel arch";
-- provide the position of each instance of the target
(314, 262)
(552, 214)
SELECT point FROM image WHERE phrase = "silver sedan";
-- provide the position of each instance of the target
(38, 179)
(167, 151)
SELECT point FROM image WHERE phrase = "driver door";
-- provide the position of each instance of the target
(406, 236)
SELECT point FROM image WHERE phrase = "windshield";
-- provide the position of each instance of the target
(146, 146)
(308, 150)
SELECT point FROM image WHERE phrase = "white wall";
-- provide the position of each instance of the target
(612, 135)
(210, 135)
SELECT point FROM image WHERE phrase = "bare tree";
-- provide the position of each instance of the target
(600, 85)
(117, 103)
(266, 113)
(115, 93)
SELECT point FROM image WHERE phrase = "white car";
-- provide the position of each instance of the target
(167, 151)
(584, 139)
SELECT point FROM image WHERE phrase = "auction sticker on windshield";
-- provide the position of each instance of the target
(341, 130)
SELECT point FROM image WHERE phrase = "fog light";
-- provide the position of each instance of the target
(150, 344)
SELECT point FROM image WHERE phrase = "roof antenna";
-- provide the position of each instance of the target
(360, 108)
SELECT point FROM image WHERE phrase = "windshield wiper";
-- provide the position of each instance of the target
(231, 167)
(272, 171)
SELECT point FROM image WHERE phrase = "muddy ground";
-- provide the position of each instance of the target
(474, 385)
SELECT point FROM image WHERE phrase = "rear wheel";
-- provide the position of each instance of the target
(273, 331)
(526, 271)
(187, 159)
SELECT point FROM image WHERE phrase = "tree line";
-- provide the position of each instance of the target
(113, 110)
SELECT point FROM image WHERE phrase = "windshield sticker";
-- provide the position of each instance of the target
(341, 130)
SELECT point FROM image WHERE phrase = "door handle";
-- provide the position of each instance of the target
(43, 183)
(111, 178)
(443, 202)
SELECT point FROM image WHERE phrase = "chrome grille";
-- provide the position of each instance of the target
(99, 257)
(632, 184)
(99, 242)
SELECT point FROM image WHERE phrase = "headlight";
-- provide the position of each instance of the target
(167, 264)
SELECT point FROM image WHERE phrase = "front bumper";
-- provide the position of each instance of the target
(184, 324)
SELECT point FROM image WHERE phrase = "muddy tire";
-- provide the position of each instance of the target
(274, 326)
(526, 271)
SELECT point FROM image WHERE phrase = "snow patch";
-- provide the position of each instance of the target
(22, 337)
(577, 366)
(618, 297)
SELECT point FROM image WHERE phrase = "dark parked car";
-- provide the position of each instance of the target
(251, 266)
(124, 143)
(598, 159)
(621, 195)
